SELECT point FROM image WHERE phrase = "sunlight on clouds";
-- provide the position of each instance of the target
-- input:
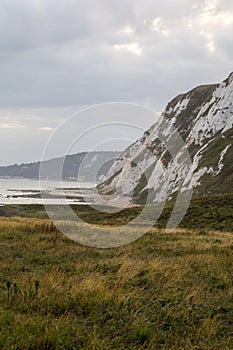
(10, 126)
(210, 5)
(159, 26)
(127, 29)
(211, 46)
(47, 128)
(210, 14)
(210, 41)
(208, 20)
(187, 22)
(156, 21)
(227, 18)
(132, 47)
(206, 5)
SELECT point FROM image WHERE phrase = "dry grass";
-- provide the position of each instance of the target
(164, 291)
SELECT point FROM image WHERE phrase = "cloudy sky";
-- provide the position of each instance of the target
(57, 57)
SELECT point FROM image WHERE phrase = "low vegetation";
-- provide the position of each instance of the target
(164, 291)
(208, 212)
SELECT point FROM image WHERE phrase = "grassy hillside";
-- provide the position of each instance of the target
(210, 212)
(164, 291)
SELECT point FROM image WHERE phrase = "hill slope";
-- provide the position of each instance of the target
(91, 163)
(204, 119)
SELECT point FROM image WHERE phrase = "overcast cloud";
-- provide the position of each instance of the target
(58, 56)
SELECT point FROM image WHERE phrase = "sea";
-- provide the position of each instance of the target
(27, 191)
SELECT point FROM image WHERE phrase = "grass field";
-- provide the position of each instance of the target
(210, 213)
(164, 291)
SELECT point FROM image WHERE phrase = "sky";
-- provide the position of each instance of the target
(59, 57)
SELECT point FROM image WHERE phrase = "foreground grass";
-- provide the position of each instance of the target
(164, 291)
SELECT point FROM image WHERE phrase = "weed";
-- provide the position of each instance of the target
(142, 335)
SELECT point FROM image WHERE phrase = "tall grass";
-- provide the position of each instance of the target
(164, 291)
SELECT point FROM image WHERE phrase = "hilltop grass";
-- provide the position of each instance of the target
(164, 291)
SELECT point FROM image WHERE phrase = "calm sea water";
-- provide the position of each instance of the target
(10, 188)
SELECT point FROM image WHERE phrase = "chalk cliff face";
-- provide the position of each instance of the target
(203, 118)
